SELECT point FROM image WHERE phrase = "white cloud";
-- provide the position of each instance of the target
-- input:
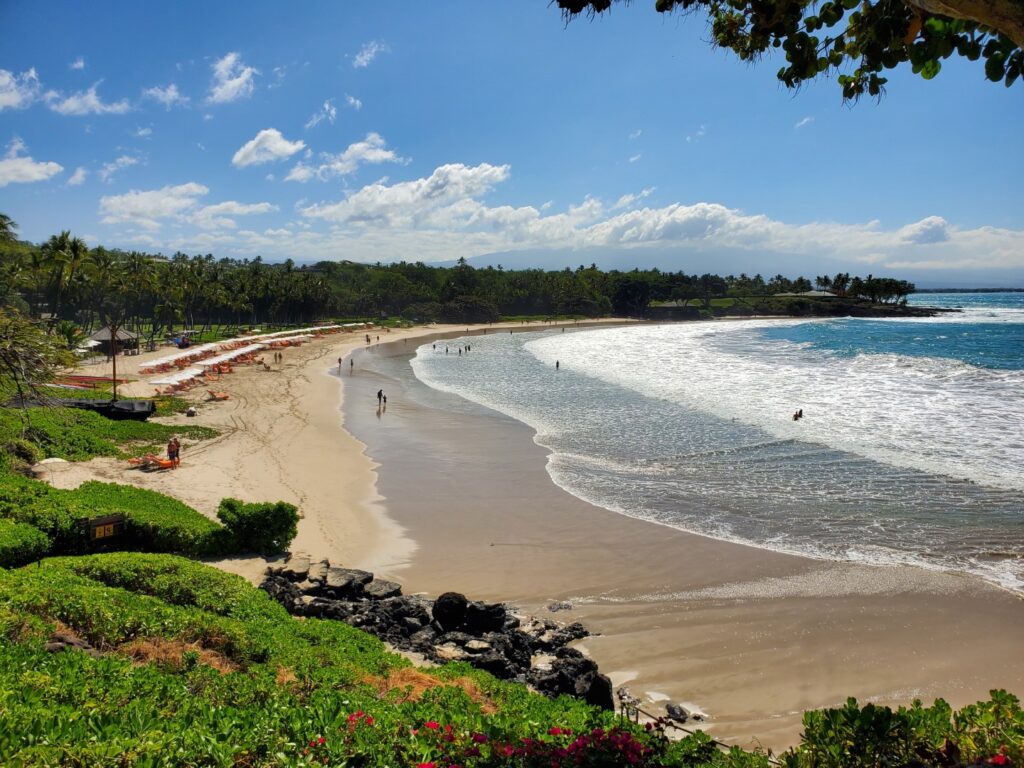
(84, 103)
(78, 177)
(933, 229)
(146, 209)
(353, 102)
(18, 91)
(405, 203)
(368, 53)
(327, 112)
(109, 169)
(803, 122)
(215, 216)
(700, 134)
(78, 63)
(19, 168)
(629, 199)
(370, 150)
(635, 134)
(268, 145)
(142, 133)
(634, 158)
(169, 96)
(232, 80)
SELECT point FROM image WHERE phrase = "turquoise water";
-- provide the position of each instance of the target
(910, 451)
(989, 332)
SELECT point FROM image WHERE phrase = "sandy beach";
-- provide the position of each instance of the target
(440, 496)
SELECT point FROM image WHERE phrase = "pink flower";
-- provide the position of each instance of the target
(369, 720)
(432, 725)
(480, 738)
(425, 765)
(556, 731)
(998, 760)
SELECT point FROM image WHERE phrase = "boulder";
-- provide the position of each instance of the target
(450, 610)
(380, 589)
(599, 692)
(347, 580)
(482, 618)
(296, 568)
(318, 571)
(561, 605)
(450, 652)
(477, 646)
(677, 713)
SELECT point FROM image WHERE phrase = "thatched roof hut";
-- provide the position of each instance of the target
(103, 334)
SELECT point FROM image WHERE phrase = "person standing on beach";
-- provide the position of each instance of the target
(351, 364)
(557, 364)
(339, 365)
(380, 396)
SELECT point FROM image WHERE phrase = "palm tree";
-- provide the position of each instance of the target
(7, 228)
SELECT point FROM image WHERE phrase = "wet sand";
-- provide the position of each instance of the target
(749, 636)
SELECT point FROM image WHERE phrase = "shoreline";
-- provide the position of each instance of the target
(752, 636)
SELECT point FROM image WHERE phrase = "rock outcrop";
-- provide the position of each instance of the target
(451, 628)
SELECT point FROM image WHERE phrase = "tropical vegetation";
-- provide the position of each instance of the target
(857, 40)
(154, 660)
(74, 289)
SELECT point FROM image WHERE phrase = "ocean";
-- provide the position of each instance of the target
(910, 451)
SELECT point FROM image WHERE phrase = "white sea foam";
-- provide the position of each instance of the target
(930, 414)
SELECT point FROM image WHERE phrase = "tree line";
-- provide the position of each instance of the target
(76, 289)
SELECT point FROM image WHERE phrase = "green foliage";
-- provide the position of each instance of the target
(870, 736)
(21, 543)
(155, 522)
(854, 39)
(265, 528)
(78, 435)
(239, 682)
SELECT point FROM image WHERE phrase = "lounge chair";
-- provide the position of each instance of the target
(217, 395)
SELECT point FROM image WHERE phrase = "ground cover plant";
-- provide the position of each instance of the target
(39, 519)
(192, 666)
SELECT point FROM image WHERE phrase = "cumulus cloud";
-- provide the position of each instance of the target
(630, 198)
(634, 158)
(78, 63)
(146, 208)
(85, 102)
(635, 134)
(232, 80)
(78, 177)
(17, 167)
(267, 146)
(353, 102)
(406, 202)
(801, 123)
(142, 133)
(697, 136)
(371, 150)
(150, 209)
(169, 96)
(368, 53)
(933, 229)
(326, 113)
(216, 216)
(18, 91)
(109, 169)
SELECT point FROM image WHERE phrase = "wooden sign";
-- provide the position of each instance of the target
(102, 529)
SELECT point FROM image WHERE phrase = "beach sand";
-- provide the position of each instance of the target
(441, 496)
(751, 637)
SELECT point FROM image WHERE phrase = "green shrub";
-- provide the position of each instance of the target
(265, 528)
(155, 522)
(21, 543)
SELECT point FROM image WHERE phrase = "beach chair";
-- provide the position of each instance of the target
(217, 395)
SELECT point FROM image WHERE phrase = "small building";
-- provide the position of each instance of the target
(126, 340)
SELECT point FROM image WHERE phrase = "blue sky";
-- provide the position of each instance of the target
(429, 131)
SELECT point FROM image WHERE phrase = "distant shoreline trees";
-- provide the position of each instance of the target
(74, 289)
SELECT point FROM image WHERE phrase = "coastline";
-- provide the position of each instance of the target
(419, 496)
(750, 636)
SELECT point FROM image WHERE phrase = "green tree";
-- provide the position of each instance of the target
(858, 40)
(28, 357)
(7, 228)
